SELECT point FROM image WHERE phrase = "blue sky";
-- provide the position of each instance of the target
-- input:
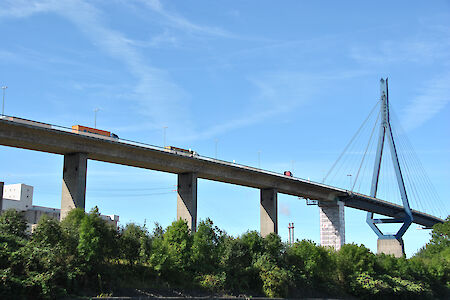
(289, 80)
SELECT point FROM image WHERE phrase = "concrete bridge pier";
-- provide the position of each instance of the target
(391, 246)
(332, 224)
(187, 199)
(269, 211)
(74, 182)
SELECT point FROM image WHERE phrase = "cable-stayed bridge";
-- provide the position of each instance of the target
(78, 146)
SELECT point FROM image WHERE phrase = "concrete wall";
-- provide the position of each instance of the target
(332, 224)
(391, 246)
(34, 214)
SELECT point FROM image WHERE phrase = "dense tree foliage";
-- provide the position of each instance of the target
(85, 255)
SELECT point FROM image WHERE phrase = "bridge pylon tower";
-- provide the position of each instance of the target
(389, 243)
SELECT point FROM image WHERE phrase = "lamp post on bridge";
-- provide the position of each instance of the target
(259, 159)
(215, 154)
(3, 104)
(95, 117)
(350, 177)
(164, 135)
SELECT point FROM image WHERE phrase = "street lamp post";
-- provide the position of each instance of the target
(95, 117)
(350, 177)
(164, 133)
(3, 104)
(216, 141)
(259, 159)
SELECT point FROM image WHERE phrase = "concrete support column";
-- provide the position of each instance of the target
(187, 199)
(74, 183)
(1, 195)
(269, 212)
(332, 224)
(391, 246)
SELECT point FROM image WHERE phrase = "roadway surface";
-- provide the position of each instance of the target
(59, 140)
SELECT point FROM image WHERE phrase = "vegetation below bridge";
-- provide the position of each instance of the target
(83, 255)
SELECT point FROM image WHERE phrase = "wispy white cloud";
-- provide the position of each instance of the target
(432, 98)
(174, 20)
(25, 8)
(154, 93)
(276, 93)
(414, 50)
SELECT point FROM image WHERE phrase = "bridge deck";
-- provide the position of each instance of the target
(63, 141)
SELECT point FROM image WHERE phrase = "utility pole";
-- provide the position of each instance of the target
(259, 159)
(164, 134)
(95, 117)
(3, 105)
(216, 141)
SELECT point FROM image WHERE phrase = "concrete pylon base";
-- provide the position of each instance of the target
(332, 224)
(391, 246)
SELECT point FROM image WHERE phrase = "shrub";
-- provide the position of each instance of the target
(275, 280)
(311, 265)
(13, 222)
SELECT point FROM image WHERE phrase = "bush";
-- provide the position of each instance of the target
(205, 248)
(275, 280)
(353, 260)
(237, 264)
(312, 266)
(171, 253)
(134, 244)
(13, 222)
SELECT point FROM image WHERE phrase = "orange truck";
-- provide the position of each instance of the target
(79, 128)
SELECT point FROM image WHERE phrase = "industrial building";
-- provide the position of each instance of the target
(20, 197)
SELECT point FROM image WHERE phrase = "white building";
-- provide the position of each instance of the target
(20, 197)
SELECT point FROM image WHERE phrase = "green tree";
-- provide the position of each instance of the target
(237, 265)
(97, 241)
(48, 232)
(70, 226)
(273, 246)
(275, 279)
(13, 222)
(205, 248)
(312, 265)
(354, 259)
(135, 243)
(254, 244)
(171, 256)
(439, 243)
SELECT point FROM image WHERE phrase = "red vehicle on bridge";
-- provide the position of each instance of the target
(288, 173)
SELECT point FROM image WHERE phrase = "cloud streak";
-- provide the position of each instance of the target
(432, 98)
(154, 93)
(179, 22)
